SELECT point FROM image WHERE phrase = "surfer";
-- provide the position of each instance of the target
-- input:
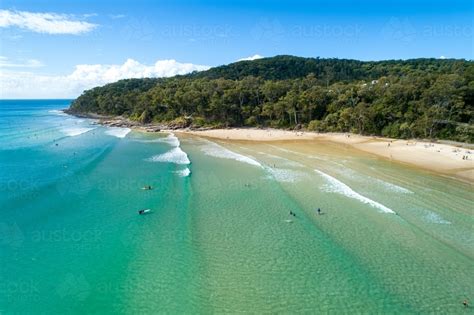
(465, 303)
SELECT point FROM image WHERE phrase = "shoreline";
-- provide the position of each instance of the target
(441, 157)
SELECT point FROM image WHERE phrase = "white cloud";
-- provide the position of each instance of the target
(29, 63)
(20, 84)
(87, 15)
(442, 57)
(50, 23)
(117, 16)
(254, 57)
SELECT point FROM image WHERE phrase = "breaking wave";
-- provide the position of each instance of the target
(175, 155)
(57, 112)
(339, 187)
(184, 173)
(117, 132)
(215, 150)
(171, 139)
(75, 131)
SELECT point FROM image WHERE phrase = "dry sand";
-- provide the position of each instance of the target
(441, 158)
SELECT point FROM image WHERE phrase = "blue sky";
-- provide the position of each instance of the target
(210, 33)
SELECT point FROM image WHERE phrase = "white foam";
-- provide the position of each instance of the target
(117, 132)
(175, 155)
(341, 188)
(343, 170)
(282, 161)
(300, 154)
(75, 131)
(170, 139)
(393, 187)
(283, 175)
(57, 112)
(184, 173)
(215, 150)
(435, 218)
(283, 149)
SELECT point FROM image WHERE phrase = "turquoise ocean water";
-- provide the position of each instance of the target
(219, 239)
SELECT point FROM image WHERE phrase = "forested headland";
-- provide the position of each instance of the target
(418, 98)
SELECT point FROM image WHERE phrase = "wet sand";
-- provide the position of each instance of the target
(441, 158)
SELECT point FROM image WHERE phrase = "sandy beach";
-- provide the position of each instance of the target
(441, 158)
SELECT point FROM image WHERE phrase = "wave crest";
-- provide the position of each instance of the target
(57, 112)
(215, 150)
(339, 187)
(175, 155)
(117, 132)
(184, 173)
(75, 131)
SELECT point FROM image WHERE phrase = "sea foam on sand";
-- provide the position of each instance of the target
(341, 188)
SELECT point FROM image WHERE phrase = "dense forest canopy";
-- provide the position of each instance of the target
(419, 98)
